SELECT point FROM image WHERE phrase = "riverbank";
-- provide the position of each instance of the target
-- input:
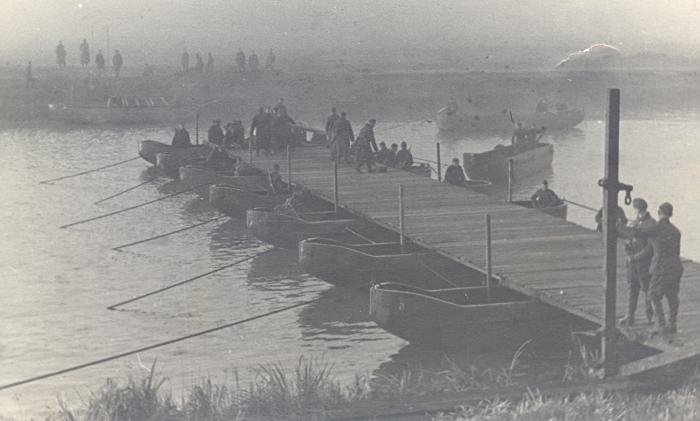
(395, 96)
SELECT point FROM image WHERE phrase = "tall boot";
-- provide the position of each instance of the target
(673, 304)
(660, 318)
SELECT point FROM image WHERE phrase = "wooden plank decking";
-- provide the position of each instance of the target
(553, 260)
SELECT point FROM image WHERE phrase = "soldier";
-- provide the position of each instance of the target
(84, 53)
(365, 145)
(279, 108)
(185, 61)
(181, 138)
(253, 62)
(341, 138)
(240, 61)
(117, 62)
(261, 131)
(270, 61)
(384, 155)
(666, 267)
(330, 122)
(61, 54)
(621, 218)
(545, 197)
(519, 135)
(276, 184)
(454, 174)
(532, 135)
(100, 62)
(238, 133)
(215, 135)
(639, 253)
(404, 157)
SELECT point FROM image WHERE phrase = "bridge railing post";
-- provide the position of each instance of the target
(335, 185)
(489, 261)
(402, 226)
(289, 167)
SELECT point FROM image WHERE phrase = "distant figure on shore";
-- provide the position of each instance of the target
(404, 157)
(240, 61)
(365, 146)
(341, 138)
(544, 197)
(185, 61)
(29, 75)
(454, 174)
(215, 136)
(210, 64)
(666, 266)
(100, 62)
(330, 122)
(84, 53)
(181, 139)
(199, 64)
(253, 62)
(117, 62)
(61, 54)
(270, 61)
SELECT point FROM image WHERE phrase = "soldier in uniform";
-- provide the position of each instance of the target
(639, 253)
(61, 54)
(341, 138)
(455, 174)
(215, 135)
(366, 145)
(330, 122)
(666, 267)
(545, 197)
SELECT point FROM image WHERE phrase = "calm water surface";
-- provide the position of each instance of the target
(57, 283)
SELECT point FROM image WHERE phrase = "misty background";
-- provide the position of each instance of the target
(156, 31)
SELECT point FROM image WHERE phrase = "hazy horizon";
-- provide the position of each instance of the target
(158, 30)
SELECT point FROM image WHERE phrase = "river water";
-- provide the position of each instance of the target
(57, 283)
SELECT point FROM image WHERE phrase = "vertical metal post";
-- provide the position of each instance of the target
(610, 190)
(439, 165)
(402, 227)
(335, 185)
(489, 267)
(250, 148)
(510, 180)
(289, 168)
(196, 128)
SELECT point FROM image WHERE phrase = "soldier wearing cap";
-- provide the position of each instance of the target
(639, 253)
(216, 134)
(666, 268)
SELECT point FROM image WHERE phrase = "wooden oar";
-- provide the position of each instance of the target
(89, 171)
(125, 191)
(199, 224)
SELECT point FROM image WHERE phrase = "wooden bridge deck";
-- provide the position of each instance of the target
(553, 260)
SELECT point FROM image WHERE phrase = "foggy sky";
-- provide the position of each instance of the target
(159, 28)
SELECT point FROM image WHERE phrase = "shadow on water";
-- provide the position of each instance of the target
(229, 236)
(340, 314)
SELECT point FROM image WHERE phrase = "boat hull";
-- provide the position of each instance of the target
(499, 326)
(235, 201)
(493, 165)
(148, 149)
(169, 163)
(462, 123)
(287, 231)
(558, 211)
(192, 176)
(351, 265)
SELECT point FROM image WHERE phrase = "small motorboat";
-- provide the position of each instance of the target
(559, 210)
(200, 175)
(149, 148)
(235, 201)
(466, 319)
(286, 230)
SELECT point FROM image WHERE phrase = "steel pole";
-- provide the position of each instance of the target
(489, 267)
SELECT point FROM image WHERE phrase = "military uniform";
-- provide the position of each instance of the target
(342, 136)
(639, 253)
(544, 198)
(455, 175)
(365, 144)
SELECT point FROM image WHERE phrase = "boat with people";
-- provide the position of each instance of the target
(202, 177)
(451, 119)
(148, 149)
(527, 159)
(285, 230)
(235, 201)
(122, 110)
(468, 319)
(558, 210)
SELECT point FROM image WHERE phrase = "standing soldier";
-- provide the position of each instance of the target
(240, 61)
(84, 53)
(253, 62)
(210, 64)
(639, 253)
(261, 131)
(330, 122)
(366, 145)
(185, 61)
(61, 54)
(117, 62)
(100, 62)
(270, 62)
(341, 138)
(666, 267)
(216, 134)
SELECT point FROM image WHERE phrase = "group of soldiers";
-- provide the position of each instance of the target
(363, 150)
(117, 59)
(252, 63)
(199, 66)
(272, 129)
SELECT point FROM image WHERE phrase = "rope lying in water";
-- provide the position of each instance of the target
(145, 240)
(125, 191)
(157, 345)
(132, 207)
(89, 171)
(219, 269)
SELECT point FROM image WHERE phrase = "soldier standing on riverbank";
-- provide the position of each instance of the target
(270, 62)
(240, 61)
(84, 53)
(185, 61)
(117, 62)
(61, 54)
(100, 62)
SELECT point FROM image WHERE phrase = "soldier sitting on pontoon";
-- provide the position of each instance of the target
(545, 197)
